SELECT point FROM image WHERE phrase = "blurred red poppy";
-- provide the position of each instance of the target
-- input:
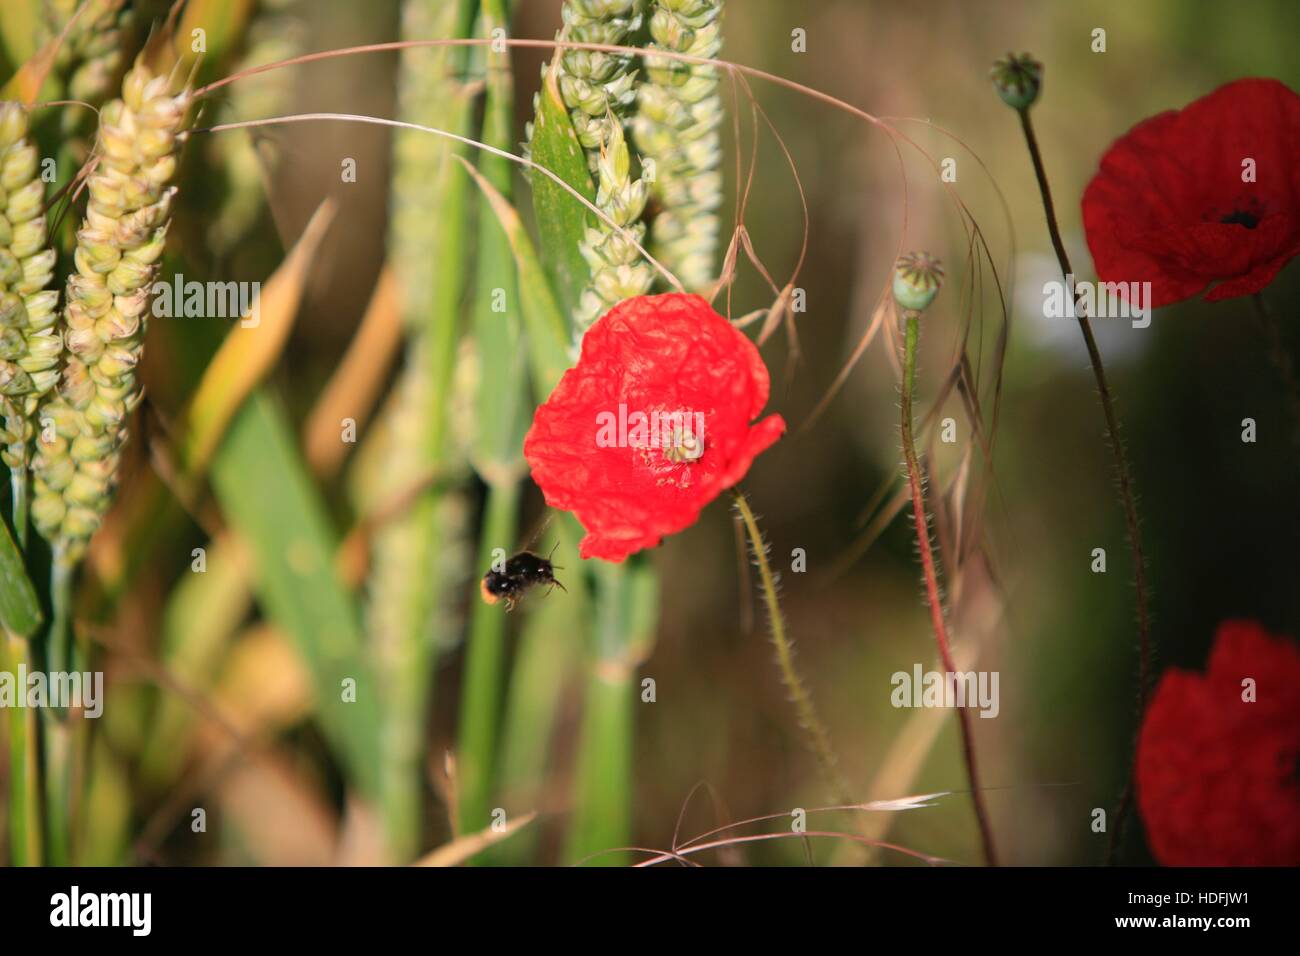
(1217, 756)
(652, 424)
(1206, 194)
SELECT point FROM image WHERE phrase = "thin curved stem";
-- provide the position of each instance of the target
(932, 580)
(1122, 470)
(819, 739)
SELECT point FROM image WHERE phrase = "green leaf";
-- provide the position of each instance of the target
(502, 392)
(544, 325)
(268, 497)
(20, 611)
(561, 219)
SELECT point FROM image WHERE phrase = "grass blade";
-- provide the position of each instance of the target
(545, 328)
(496, 456)
(264, 490)
(561, 222)
(20, 610)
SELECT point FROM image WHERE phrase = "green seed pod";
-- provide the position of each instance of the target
(917, 278)
(118, 247)
(1018, 78)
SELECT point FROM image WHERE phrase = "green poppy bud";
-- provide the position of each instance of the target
(1018, 79)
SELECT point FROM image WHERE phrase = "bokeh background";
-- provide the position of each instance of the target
(1220, 517)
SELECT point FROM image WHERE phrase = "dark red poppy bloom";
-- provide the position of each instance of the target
(1217, 772)
(652, 424)
(1206, 194)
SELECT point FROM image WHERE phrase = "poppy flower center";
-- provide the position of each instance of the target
(1242, 218)
(684, 446)
(1244, 210)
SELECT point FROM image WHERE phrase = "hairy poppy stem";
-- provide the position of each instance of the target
(819, 739)
(1121, 468)
(932, 578)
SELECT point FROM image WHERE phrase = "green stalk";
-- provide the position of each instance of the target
(932, 577)
(59, 647)
(603, 781)
(410, 618)
(58, 730)
(1122, 471)
(543, 676)
(480, 711)
(819, 739)
(25, 836)
(625, 612)
(58, 789)
(501, 413)
(18, 482)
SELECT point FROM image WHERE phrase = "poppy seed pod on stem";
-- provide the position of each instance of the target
(917, 278)
(1018, 78)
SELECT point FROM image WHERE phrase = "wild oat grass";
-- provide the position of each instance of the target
(29, 344)
(676, 125)
(107, 297)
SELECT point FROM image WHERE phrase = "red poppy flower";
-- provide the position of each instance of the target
(1174, 204)
(652, 424)
(1217, 774)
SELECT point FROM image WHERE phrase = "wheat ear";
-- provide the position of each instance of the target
(599, 90)
(29, 344)
(679, 111)
(92, 54)
(120, 241)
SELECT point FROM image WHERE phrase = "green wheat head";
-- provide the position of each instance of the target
(676, 125)
(29, 343)
(599, 90)
(91, 56)
(106, 304)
